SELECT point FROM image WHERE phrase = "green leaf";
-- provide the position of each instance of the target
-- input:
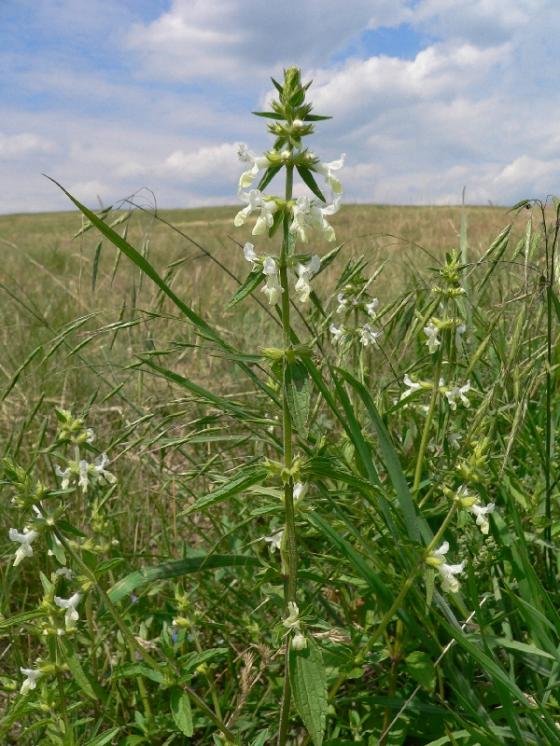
(268, 175)
(315, 118)
(252, 282)
(309, 180)
(95, 266)
(176, 568)
(267, 115)
(181, 711)
(298, 395)
(276, 222)
(25, 616)
(419, 665)
(203, 328)
(192, 660)
(243, 479)
(104, 738)
(56, 549)
(261, 739)
(309, 687)
(278, 87)
(129, 670)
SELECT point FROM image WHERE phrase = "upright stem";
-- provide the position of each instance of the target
(289, 547)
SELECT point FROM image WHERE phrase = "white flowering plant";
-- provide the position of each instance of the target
(335, 507)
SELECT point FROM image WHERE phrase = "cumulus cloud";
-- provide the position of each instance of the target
(243, 41)
(164, 93)
(23, 144)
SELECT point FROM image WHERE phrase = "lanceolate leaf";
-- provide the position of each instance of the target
(298, 391)
(176, 568)
(241, 481)
(204, 329)
(252, 282)
(267, 115)
(309, 180)
(309, 687)
(269, 174)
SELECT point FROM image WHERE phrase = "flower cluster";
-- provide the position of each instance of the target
(453, 394)
(301, 216)
(80, 473)
(269, 267)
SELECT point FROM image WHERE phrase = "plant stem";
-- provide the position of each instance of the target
(289, 548)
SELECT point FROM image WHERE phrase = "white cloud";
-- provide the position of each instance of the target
(168, 95)
(244, 41)
(23, 144)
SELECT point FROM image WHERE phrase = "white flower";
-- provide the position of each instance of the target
(454, 439)
(69, 604)
(275, 539)
(300, 488)
(449, 582)
(431, 331)
(101, 472)
(292, 620)
(459, 331)
(66, 572)
(308, 215)
(368, 336)
(326, 170)
(257, 162)
(33, 675)
(25, 539)
(305, 272)
(481, 512)
(298, 124)
(299, 641)
(440, 553)
(250, 255)
(458, 392)
(256, 201)
(80, 473)
(64, 475)
(83, 475)
(337, 332)
(412, 386)
(273, 288)
(371, 307)
(342, 303)
(293, 624)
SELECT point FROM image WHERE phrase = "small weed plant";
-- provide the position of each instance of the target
(357, 539)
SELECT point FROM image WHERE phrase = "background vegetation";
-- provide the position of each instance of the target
(188, 431)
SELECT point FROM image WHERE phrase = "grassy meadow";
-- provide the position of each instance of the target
(327, 521)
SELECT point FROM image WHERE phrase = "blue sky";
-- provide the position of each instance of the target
(428, 96)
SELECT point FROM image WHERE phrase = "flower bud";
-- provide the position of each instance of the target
(299, 642)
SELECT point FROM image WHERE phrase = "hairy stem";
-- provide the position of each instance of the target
(289, 548)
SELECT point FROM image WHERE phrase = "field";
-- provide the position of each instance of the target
(330, 519)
